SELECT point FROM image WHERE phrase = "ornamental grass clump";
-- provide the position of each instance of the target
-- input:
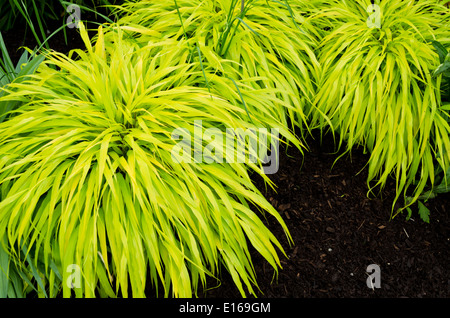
(378, 89)
(87, 176)
(270, 41)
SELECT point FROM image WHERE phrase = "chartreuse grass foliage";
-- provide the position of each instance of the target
(271, 41)
(378, 89)
(87, 175)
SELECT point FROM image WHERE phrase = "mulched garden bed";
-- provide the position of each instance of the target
(337, 230)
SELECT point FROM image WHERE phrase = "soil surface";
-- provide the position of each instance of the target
(338, 231)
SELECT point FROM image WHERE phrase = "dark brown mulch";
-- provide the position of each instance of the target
(337, 230)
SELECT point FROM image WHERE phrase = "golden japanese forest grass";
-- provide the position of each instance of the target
(87, 175)
(378, 90)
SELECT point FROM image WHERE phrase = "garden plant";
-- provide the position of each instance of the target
(88, 176)
(91, 174)
(271, 41)
(378, 89)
